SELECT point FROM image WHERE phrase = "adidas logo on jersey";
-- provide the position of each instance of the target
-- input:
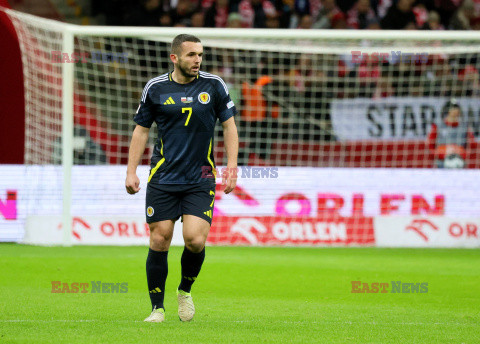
(208, 213)
(169, 101)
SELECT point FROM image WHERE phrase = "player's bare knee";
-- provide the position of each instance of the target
(160, 238)
(195, 245)
(159, 242)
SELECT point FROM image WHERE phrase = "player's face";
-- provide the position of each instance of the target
(190, 59)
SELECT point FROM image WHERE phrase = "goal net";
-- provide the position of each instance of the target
(306, 99)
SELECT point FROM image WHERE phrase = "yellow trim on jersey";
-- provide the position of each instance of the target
(210, 160)
(158, 164)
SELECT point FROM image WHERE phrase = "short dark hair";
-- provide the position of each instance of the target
(177, 42)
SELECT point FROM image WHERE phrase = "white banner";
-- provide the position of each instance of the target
(394, 118)
(430, 231)
(93, 230)
(31, 197)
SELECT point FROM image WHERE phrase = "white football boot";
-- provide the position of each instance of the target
(186, 309)
(158, 315)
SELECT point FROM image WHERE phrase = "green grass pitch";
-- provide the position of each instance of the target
(243, 295)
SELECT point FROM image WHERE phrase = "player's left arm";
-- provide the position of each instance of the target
(226, 110)
(230, 137)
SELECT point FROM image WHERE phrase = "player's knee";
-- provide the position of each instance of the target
(159, 242)
(196, 244)
(159, 238)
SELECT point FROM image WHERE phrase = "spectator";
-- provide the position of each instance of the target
(217, 14)
(279, 92)
(303, 93)
(437, 80)
(421, 15)
(433, 22)
(285, 11)
(315, 107)
(198, 19)
(181, 13)
(384, 87)
(85, 150)
(224, 63)
(272, 22)
(206, 4)
(399, 16)
(145, 13)
(462, 16)
(373, 25)
(306, 22)
(450, 139)
(360, 15)
(475, 24)
(254, 12)
(166, 20)
(328, 16)
(469, 77)
(446, 8)
(315, 6)
(234, 20)
(301, 8)
(369, 72)
(255, 119)
(475, 20)
(339, 22)
(381, 7)
(287, 105)
(304, 70)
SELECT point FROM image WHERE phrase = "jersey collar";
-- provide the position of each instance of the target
(191, 82)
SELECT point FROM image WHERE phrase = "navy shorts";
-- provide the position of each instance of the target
(169, 202)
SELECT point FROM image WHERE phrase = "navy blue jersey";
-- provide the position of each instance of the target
(185, 115)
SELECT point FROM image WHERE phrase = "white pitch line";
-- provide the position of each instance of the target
(241, 321)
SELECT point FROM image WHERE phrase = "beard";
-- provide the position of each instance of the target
(185, 71)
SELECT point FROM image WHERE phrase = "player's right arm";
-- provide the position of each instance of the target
(137, 147)
(144, 119)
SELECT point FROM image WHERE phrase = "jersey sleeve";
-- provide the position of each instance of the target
(224, 107)
(145, 112)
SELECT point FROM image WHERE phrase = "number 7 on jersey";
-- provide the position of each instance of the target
(189, 111)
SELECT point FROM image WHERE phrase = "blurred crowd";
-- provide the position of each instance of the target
(294, 14)
(288, 96)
